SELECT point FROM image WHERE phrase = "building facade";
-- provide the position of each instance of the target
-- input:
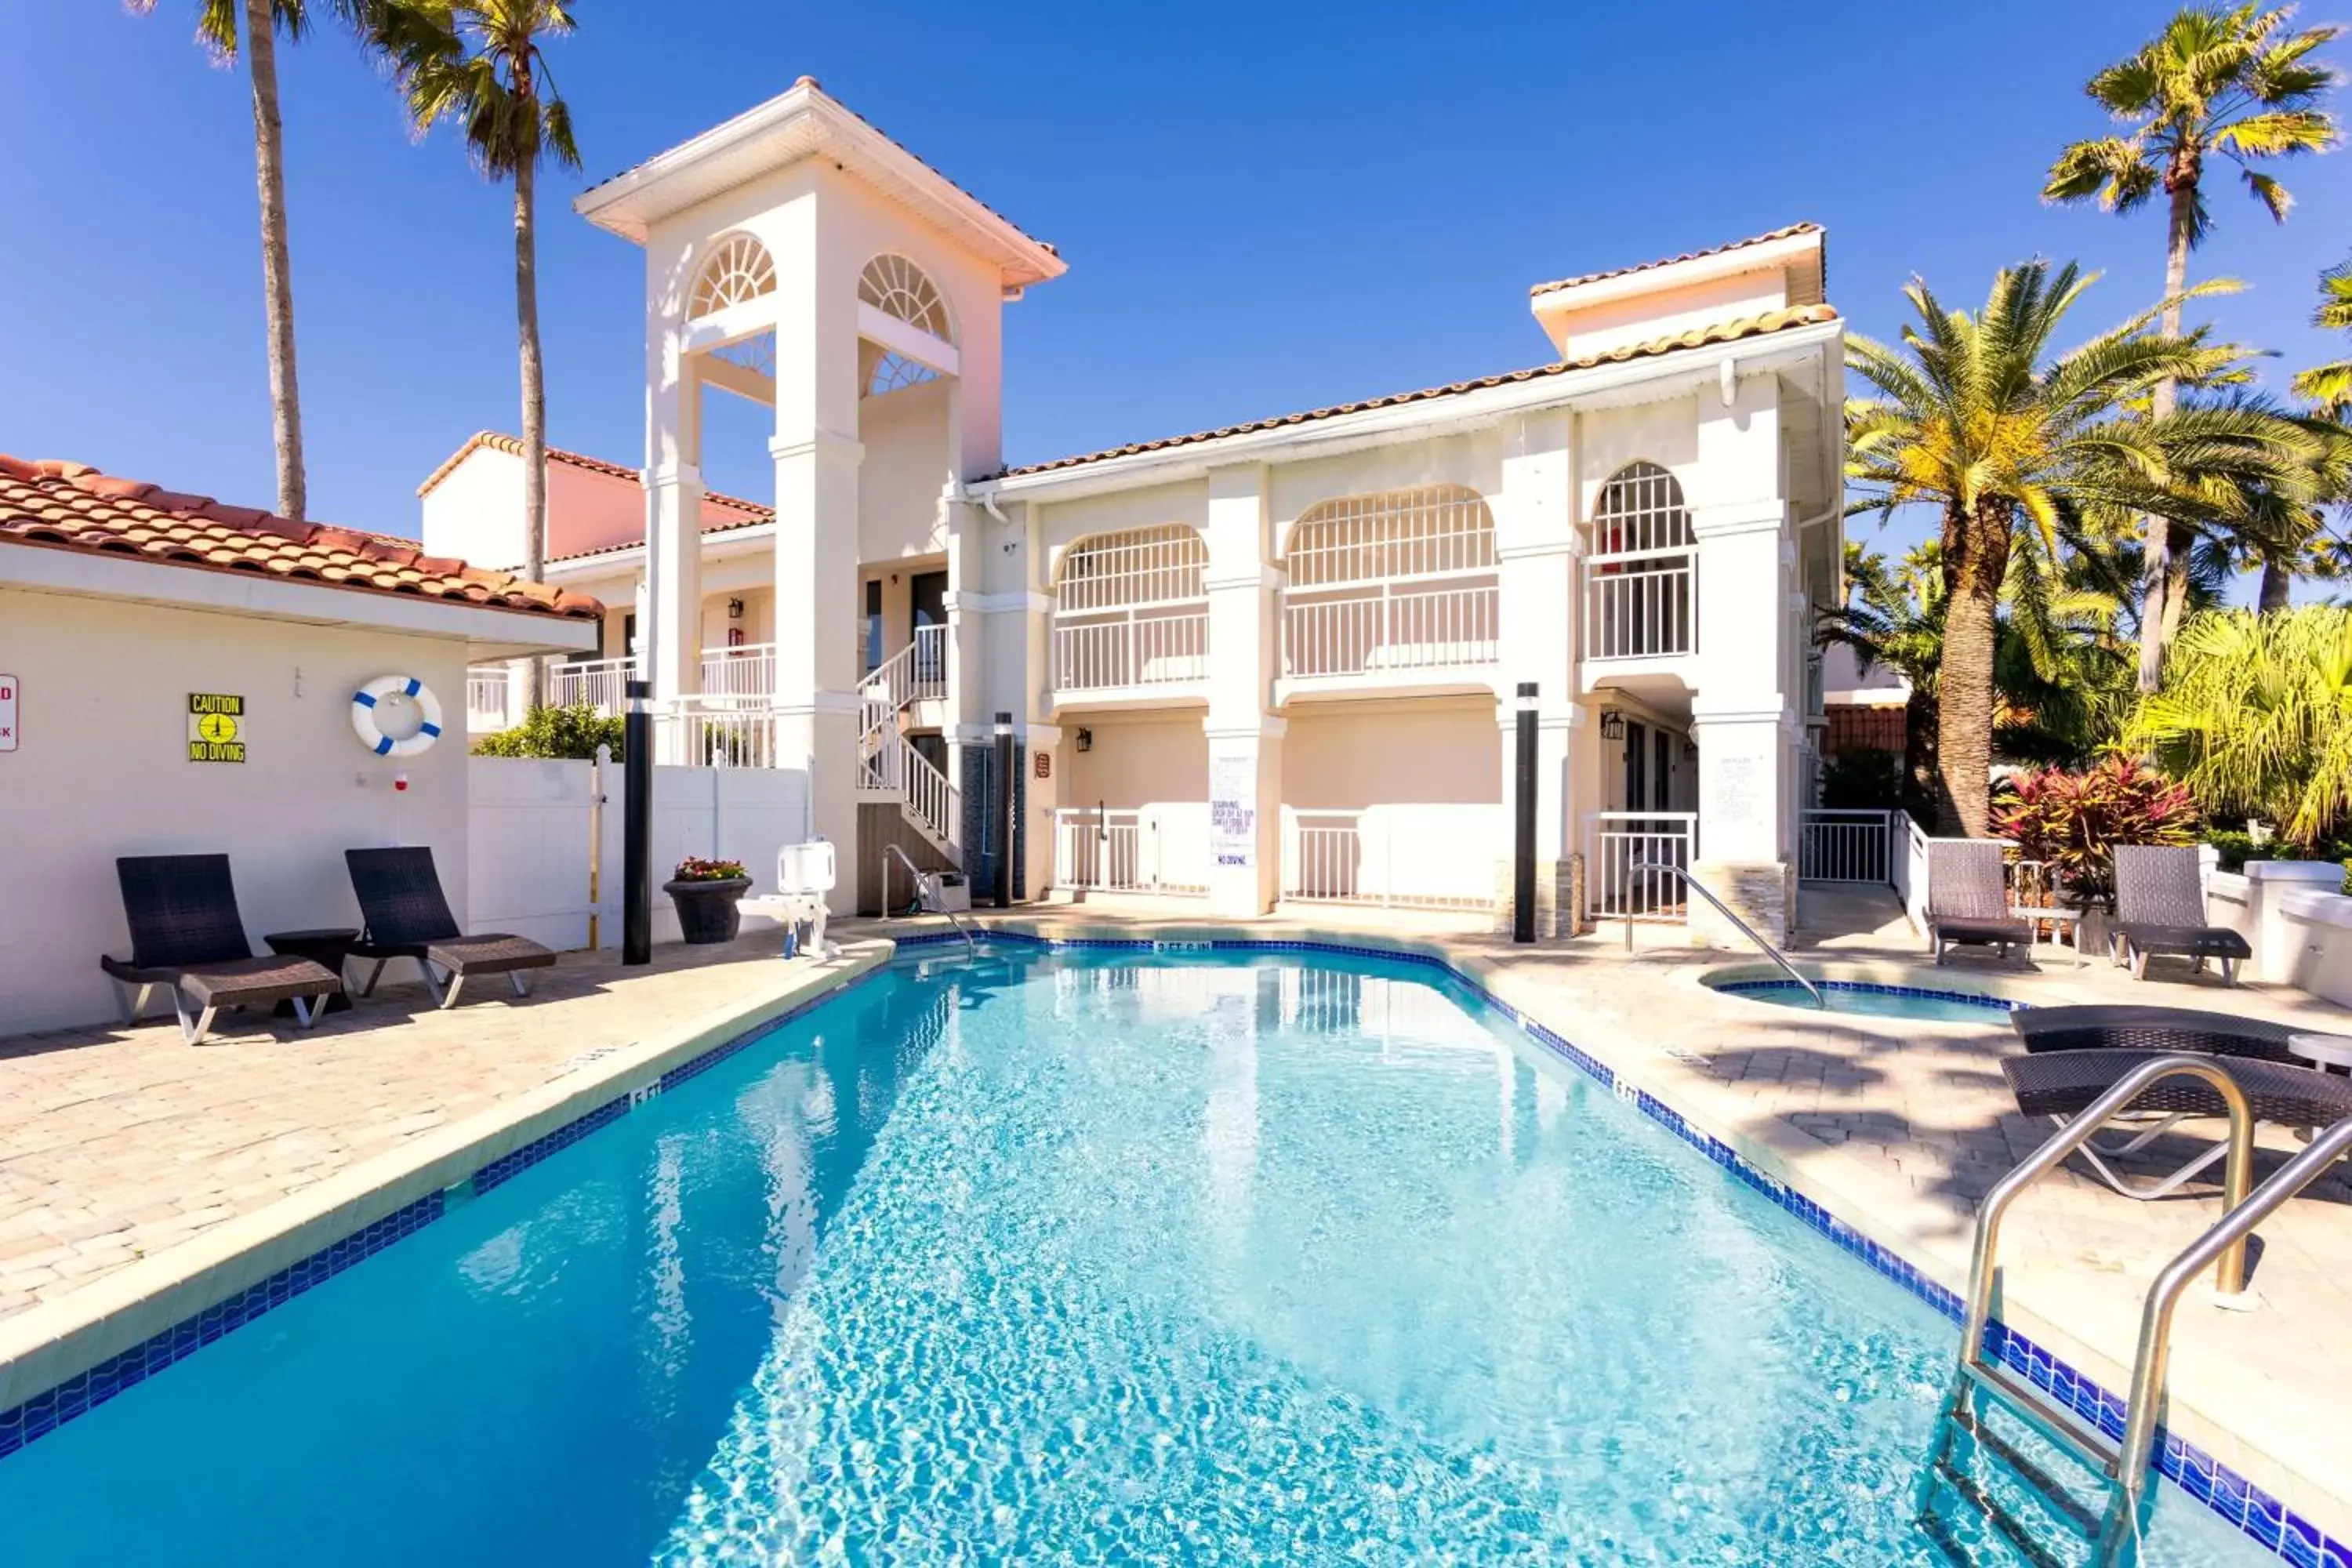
(1277, 661)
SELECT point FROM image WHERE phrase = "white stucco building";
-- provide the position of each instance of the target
(1275, 661)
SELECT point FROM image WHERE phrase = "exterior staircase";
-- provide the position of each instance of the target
(888, 765)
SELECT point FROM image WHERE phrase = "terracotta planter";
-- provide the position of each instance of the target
(706, 910)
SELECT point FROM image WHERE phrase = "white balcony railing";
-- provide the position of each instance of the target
(1148, 850)
(1640, 605)
(1390, 628)
(601, 683)
(1149, 650)
(1346, 856)
(748, 670)
(1616, 843)
(730, 736)
(487, 687)
(1837, 845)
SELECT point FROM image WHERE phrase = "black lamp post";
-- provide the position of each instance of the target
(1005, 811)
(1523, 848)
(638, 827)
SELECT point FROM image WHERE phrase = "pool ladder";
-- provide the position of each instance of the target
(1692, 884)
(2121, 1462)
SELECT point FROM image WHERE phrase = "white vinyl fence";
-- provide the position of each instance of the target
(1431, 856)
(1158, 848)
(541, 834)
(1619, 847)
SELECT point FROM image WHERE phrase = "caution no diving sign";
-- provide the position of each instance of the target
(215, 727)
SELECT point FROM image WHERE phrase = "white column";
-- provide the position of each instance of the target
(1535, 548)
(669, 614)
(1244, 736)
(816, 455)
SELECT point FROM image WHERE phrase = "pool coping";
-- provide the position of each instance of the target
(63, 1358)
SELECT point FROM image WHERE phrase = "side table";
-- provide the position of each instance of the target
(2326, 1052)
(328, 947)
(2062, 921)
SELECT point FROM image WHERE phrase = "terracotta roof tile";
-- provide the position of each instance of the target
(73, 506)
(498, 441)
(1793, 228)
(1696, 337)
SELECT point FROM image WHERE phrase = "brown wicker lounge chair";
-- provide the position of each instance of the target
(407, 917)
(187, 937)
(1967, 905)
(2061, 1085)
(2112, 1026)
(2160, 910)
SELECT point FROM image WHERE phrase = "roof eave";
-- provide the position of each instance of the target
(1373, 425)
(629, 205)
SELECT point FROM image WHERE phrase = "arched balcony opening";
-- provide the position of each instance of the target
(1404, 580)
(1131, 609)
(896, 289)
(1640, 568)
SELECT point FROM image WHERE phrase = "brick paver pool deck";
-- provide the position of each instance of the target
(120, 1145)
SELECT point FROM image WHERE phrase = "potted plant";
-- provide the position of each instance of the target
(705, 892)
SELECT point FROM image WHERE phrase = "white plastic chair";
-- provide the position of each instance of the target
(805, 873)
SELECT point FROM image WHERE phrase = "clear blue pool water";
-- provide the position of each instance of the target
(1064, 1259)
(1878, 1001)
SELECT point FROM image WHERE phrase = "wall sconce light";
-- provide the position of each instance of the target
(1085, 740)
(734, 609)
(1612, 725)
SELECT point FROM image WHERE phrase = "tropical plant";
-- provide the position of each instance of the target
(481, 64)
(691, 869)
(1893, 615)
(1979, 417)
(2329, 386)
(227, 28)
(2256, 716)
(1861, 778)
(2072, 822)
(572, 731)
(2233, 83)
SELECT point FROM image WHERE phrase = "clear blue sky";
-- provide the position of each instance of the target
(1264, 208)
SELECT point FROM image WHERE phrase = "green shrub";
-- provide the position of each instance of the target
(571, 733)
(1863, 779)
(2072, 821)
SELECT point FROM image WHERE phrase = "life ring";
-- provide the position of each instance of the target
(370, 734)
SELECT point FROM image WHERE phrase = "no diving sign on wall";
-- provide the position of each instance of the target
(215, 727)
(7, 712)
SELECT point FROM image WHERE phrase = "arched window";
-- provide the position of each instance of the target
(1402, 580)
(1638, 570)
(1131, 609)
(740, 269)
(897, 286)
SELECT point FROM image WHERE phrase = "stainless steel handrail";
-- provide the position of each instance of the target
(1774, 953)
(2226, 1240)
(923, 883)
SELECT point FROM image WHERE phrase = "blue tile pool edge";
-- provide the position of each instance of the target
(2247, 1507)
(1987, 1002)
(43, 1413)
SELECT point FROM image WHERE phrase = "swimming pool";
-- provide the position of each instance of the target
(1874, 1000)
(1066, 1257)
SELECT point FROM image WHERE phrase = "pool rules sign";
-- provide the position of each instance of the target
(215, 727)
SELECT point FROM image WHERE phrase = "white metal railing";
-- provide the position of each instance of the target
(930, 676)
(1131, 849)
(1155, 648)
(1620, 850)
(1391, 627)
(1640, 605)
(729, 736)
(601, 683)
(487, 686)
(748, 670)
(1840, 846)
(1330, 856)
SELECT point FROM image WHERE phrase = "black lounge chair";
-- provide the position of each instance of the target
(2160, 910)
(1967, 904)
(2061, 1085)
(187, 937)
(407, 917)
(2113, 1026)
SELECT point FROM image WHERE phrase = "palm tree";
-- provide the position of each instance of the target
(2329, 386)
(2229, 83)
(1976, 418)
(221, 27)
(2256, 716)
(481, 64)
